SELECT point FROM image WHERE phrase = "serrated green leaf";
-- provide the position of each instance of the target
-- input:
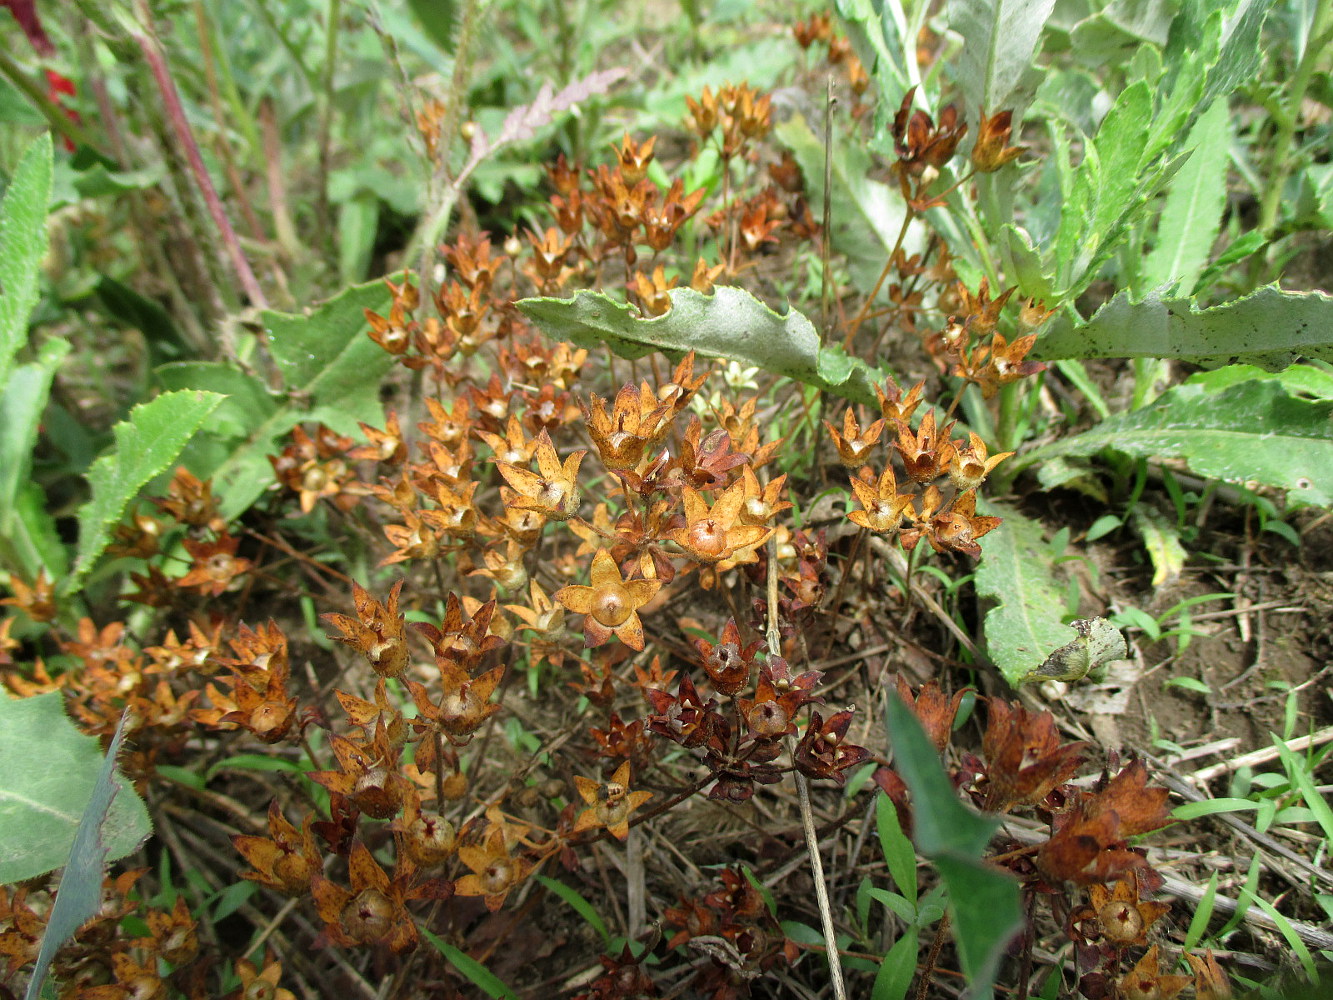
(248, 403)
(96, 837)
(145, 445)
(1252, 432)
(23, 243)
(331, 372)
(1192, 214)
(999, 38)
(984, 900)
(1270, 327)
(41, 807)
(1017, 571)
(730, 323)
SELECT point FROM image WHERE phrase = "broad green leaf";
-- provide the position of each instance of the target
(23, 242)
(984, 900)
(145, 445)
(468, 967)
(41, 806)
(898, 969)
(866, 214)
(331, 372)
(1017, 571)
(999, 38)
(1269, 327)
(1252, 432)
(731, 323)
(1193, 211)
(22, 402)
(96, 838)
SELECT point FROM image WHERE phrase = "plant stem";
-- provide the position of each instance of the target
(1281, 159)
(860, 316)
(325, 131)
(148, 44)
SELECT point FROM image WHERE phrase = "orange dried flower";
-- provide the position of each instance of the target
(215, 565)
(992, 150)
(883, 506)
(378, 631)
(495, 872)
(374, 911)
(260, 985)
(610, 803)
(286, 859)
(610, 606)
(713, 534)
(1123, 917)
(1146, 982)
(38, 602)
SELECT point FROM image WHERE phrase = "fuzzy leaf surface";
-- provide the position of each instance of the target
(1016, 570)
(1192, 214)
(1250, 432)
(1269, 327)
(145, 444)
(999, 38)
(41, 807)
(23, 242)
(731, 324)
(80, 895)
(984, 900)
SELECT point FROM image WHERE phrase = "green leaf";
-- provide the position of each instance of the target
(41, 807)
(1269, 327)
(96, 837)
(731, 323)
(1097, 642)
(436, 18)
(580, 905)
(1252, 432)
(1299, 771)
(23, 242)
(1192, 214)
(248, 402)
(984, 900)
(467, 966)
(899, 854)
(325, 359)
(898, 969)
(999, 38)
(145, 444)
(1017, 571)
(22, 402)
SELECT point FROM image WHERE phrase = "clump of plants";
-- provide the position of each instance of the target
(504, 625)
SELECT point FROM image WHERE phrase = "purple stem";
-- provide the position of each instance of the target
(176, 115)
